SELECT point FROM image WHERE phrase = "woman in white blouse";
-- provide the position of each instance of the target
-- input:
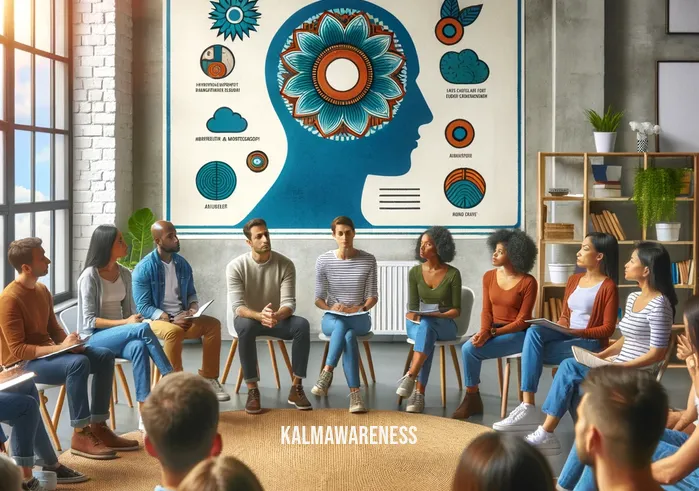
(106, 310)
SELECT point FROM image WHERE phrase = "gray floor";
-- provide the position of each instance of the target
(389, 359)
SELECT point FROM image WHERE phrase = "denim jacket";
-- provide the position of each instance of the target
(149, 284)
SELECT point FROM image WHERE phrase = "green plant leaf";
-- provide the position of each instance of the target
(469, 15)
(139, 237)
(607, 123)
(450, 8)
(655, 192)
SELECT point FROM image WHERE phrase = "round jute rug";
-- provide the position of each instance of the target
(272, 445)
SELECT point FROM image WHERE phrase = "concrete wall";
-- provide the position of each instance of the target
(554, 105)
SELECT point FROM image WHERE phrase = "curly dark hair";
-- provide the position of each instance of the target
(521, 249)
(446, 248)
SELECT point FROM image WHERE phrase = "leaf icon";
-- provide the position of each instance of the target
(450, 8)
(468, 15)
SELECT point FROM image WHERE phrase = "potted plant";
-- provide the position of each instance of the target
(643, 130)
(605, 127)
(138, 237)
(655, 192)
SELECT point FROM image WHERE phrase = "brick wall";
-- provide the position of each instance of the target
(102, 149)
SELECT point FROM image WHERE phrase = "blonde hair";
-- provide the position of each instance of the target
(221, 474)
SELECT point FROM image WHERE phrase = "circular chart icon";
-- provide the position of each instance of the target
(216, 181)
(464, 188)
(217, 61)
(460, 133)
(449, 31)
(257, 161)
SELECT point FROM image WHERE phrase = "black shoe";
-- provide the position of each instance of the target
(66, 475)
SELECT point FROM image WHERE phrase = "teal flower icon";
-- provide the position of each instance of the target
(343, 74)
(233, 18)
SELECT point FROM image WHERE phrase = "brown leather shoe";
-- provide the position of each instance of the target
(112, 441)
(252, 406)
(298, 398)
(86, 444)
(470, 406)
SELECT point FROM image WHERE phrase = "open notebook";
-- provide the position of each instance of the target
(12, 377)
(587, 358)
(550, 325)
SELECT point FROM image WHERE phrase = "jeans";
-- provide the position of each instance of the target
(565, 391)
(425, 334)
(546, 346)
(343, 332)
(73, 370)
(294, 328)
(497, 347)
(19, 408)
(579, 477)
(134, 342)
(205, 327)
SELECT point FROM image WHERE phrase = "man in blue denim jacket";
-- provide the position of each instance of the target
(163, 288)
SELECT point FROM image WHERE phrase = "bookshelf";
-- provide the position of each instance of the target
(631, 228)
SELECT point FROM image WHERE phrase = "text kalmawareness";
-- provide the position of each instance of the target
(348, 435)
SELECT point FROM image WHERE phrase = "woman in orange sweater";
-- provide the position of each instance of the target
(590, 313)
(509, 293)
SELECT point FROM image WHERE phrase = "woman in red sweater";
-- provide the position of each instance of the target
(509, 293)
(590, 313)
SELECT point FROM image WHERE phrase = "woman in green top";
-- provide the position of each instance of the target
(433, 285)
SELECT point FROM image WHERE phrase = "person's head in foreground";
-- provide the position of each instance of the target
(504, 462)
(621, 418)
(10, 474)
(181, 421)
(221, 474)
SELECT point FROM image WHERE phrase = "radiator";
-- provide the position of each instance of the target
(388, 317)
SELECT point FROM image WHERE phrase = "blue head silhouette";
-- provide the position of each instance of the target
(341, 75)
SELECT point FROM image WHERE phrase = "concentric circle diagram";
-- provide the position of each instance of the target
(449, 31)
(216, 181)
(257, 161)
(464, 188)
(460, 133)
(217, 61)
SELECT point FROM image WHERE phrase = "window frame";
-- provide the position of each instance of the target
(9, 209)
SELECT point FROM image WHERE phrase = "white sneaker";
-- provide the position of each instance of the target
(525, 417)
(545, 442)
(405, 386)
(141, 426)
(221, 394)
(416, 403)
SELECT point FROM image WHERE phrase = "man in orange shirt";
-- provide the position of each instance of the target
(29, 331)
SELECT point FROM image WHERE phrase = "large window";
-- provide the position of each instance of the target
(35, 135)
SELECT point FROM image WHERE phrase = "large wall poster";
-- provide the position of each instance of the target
(398, 113)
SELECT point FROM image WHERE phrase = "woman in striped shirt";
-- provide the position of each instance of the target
(645, 328)
(345, 284)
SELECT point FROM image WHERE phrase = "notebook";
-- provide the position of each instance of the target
(550, 325)
(587, 358)
(10, 378)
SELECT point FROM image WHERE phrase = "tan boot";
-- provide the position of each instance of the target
(86, 444)
(112, 441)
(470, 406)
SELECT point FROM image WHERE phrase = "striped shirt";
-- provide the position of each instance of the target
(649, 328)
(346, 281)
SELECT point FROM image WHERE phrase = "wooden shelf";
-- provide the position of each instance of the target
(616, 154)
(548, 284)
(562, 198)
(621, 242)
(627, 199)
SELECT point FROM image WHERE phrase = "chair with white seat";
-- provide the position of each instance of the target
(270, 344)
(462, 323)
(367, 348)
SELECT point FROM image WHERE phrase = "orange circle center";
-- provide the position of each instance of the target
(320, 74)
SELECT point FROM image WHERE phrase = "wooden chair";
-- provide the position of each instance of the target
(367, 348)
(505, 381)
(270, 344)
(462, 322)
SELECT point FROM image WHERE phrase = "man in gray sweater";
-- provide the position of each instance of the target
(261, 302)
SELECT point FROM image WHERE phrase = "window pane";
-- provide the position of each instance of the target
(61, 31)
(22, 226)
(2, 26)
(42, 24)
(42, 226)
(23, 19)
(23, 87)
(61, 266)
(23, 149)
(43, 92)
(2, 79)
(61, 95)
(42, 167)
(61, 177)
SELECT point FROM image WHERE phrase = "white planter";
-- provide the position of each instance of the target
(668, 232)
(604, 142)
(560, 273)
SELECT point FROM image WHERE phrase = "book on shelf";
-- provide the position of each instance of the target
(606, 189)
(683, 272)
(553, 309)
(608, 223)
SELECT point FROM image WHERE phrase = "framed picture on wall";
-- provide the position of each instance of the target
(677, 105)
(682, 17)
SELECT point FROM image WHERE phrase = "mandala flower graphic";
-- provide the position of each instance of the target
(343, 74)
(233, 18)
